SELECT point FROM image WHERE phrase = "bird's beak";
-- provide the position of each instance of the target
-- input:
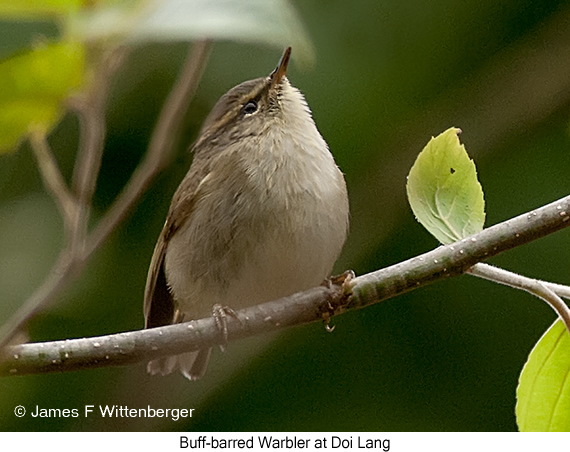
(281, 69)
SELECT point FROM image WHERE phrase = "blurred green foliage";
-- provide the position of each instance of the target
(34, 86)
(388, 76)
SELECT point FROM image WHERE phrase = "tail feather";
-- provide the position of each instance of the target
(192, 365)
(162, 366)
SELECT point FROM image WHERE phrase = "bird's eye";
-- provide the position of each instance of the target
(249, 108)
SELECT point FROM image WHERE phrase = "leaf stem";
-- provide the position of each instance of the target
(546, 291)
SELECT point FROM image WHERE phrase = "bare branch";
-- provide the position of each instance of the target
(91, 109)
(75, 206)
(457, 257)
(80, 246)
(137, 346)
(52, 178)
(161, 145)
(61, 274)
(313, 305)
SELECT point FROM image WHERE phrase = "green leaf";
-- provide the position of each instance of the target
(33, 86)
(272, 22)
(543, 394)
(443, 189)
(38, 8)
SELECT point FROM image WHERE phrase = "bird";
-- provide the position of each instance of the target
(261, 214)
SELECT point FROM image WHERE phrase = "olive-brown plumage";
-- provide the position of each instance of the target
(261, 214)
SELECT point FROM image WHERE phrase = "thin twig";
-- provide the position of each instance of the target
(62, 273)
(316, 304)
(559, 289)
(546, 291)
(92, 113)
(80, 247)
(161, 147)
(74, 205)
(91, 110)
(52, 177)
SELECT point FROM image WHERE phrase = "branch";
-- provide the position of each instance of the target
(80, 245)
(75, 205)
(91, 107)
(52, 177)
(161, 145)
(305, 307)
(544, 290)
(61, 274)
(514, 280)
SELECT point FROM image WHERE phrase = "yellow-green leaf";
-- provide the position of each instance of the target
(38, 8)
(443, 189)
(33, 86)
(543, 394)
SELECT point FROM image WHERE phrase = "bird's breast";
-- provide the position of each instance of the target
(274, 227)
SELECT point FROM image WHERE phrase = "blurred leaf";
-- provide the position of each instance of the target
(37, 8)
(543, 394)
(443, 189)
(32, 87)
(18, 36)
(272, 22)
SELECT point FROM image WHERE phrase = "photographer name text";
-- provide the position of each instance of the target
(111, 411)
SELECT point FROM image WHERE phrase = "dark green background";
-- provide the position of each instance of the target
(388, 76)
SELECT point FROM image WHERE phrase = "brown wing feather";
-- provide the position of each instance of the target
(159, 304)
